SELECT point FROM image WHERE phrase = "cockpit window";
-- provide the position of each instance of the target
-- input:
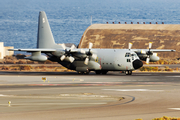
(133, 55)
(128, 55)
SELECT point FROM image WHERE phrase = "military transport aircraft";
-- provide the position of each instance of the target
(85, 60)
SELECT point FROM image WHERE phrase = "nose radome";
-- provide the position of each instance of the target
(137, 64)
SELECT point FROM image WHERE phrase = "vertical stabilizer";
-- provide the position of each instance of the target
(45, 38)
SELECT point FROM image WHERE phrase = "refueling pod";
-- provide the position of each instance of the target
(36, 56)
(154, 57)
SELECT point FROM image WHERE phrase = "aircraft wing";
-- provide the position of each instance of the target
(153, 50)
(147, 54)
(33, 50)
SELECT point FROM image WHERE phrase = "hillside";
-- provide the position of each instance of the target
(163, 36)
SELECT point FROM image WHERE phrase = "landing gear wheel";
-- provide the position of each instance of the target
(104, 72)
(80, 73)
(128, 72)
(98, 72)
(86, 73)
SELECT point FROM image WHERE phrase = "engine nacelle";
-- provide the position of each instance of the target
(143, 56)
(154, 58)
(36, 56)
(92, 65)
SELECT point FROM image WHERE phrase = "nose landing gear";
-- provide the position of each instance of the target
(85, 73)
(128, 72)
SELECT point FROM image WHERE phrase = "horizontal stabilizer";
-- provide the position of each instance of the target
(33, 50)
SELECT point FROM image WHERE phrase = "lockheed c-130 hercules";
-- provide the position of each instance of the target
(85, 60)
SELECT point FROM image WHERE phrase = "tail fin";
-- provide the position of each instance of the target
(45, 38)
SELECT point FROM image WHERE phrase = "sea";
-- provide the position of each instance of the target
(69, 19)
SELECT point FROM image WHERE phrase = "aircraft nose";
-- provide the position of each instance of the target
(137, 64)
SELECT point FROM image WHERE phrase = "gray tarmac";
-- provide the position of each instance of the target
(67, 95)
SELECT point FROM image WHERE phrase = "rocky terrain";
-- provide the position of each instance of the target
(162, 36)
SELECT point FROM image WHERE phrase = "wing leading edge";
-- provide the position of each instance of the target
(33, 50)
(153, 50)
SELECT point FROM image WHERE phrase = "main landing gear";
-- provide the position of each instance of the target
(104, 72)
(128, 72)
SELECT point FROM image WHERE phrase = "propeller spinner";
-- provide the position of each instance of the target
(89, 54)
(67, 53)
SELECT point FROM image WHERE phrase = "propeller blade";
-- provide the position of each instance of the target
(72, 47)
(71, 59)
(63, 46)
(147, 60)
(90, 45)
(62, 57)
(130, 45)
(82, 51)
(150, 45)
(86, 61)
(94, 56)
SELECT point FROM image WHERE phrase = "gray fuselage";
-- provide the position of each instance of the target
(107, 59)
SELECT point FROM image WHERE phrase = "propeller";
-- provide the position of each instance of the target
(86, 60)
(67, 53)
(149, 53)
(89, 53)
(71, 59)
(147, 60)
(130, 45)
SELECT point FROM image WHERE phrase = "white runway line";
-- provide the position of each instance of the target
(139, 90)
(2, 95)
(54, 104)
(144, 74)
(31, 89)
(174, 108)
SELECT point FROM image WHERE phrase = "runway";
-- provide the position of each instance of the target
(71, 96)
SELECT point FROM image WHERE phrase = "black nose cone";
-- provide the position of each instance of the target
(137, 64)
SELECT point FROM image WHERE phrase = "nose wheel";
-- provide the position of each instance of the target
(128, 72)
(85, 73)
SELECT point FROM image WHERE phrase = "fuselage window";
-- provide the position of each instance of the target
(128, 55)
(128, 60)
